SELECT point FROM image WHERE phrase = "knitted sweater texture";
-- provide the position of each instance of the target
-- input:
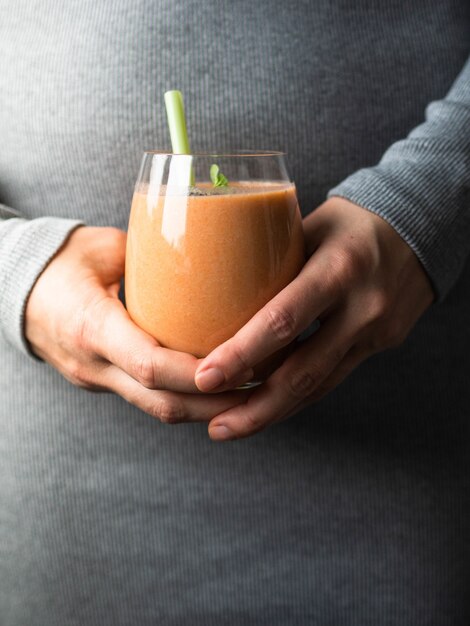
(355, 511)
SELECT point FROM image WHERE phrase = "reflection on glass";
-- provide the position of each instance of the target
(202, 260)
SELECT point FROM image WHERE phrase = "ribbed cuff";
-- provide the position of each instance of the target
(433, 229)
(26, 247)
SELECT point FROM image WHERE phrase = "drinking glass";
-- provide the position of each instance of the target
(201, 260)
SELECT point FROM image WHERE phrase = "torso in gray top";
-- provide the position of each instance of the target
(355, 511)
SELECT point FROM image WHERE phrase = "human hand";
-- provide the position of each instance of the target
(75, 321)
(362, 282)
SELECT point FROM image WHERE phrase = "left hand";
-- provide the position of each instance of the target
(86, 334)
(362, 282)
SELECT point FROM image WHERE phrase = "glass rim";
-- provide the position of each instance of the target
(219, 155)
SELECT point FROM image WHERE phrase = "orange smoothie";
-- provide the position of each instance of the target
(199, 267)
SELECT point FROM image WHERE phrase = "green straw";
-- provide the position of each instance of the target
(177, 124)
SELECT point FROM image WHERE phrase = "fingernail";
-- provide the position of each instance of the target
(220, 433)
(210, 379)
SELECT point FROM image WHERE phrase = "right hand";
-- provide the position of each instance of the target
(75, 321)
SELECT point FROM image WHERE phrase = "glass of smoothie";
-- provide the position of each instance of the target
(211, 239)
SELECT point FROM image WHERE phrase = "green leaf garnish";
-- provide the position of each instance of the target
(217, 178)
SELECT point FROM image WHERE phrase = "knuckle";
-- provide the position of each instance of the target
(302, 383)
(345, 267)
(86, 339)
(377, 305)
(144, 372)
(80, 331)
(253, 423)
(343, 260)
(168, 410)
(85, 327)
(348, 265)
(282, 323)
(79, 375)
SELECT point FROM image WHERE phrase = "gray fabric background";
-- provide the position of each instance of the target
(355, 512)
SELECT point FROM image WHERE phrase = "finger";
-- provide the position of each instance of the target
(168, 406)
(345, 367)
(276, 325)
(300, 376)
(115, 337)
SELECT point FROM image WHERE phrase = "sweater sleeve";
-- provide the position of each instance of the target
(421, 186)
(26, 247)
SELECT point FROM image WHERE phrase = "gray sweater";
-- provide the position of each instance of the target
(354, 512)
